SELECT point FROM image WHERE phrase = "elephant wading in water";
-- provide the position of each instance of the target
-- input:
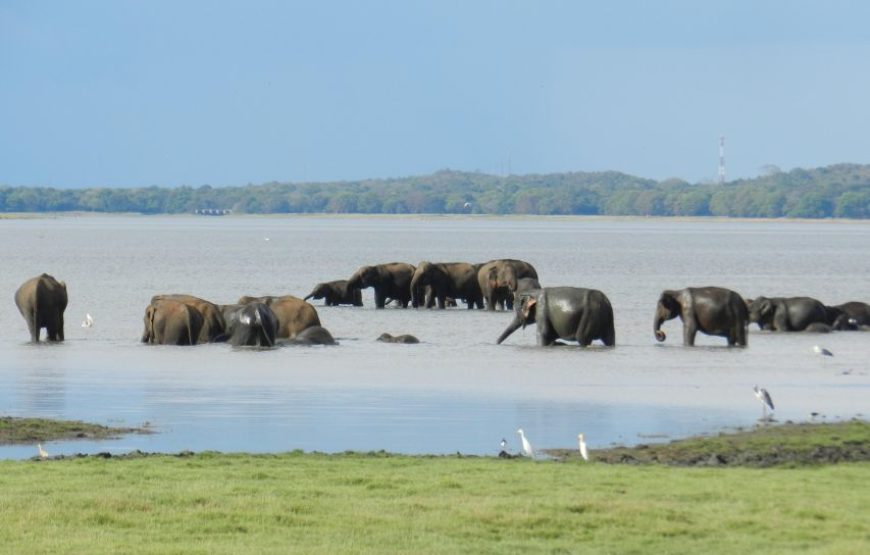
(570, 313)
(293, 314)
(213, 326)
(315, 335)
(391, 280)
(250, 325)
(42, 301)
(171, 322)
(850, 316)
(457, 280)
(498, 280)
(710, 310)
(335, 293)
(786, 314)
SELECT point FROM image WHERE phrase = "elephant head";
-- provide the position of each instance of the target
(366, 276)
(761, 311)
(526, 308)
(421, 278)
(320, 291)
(667, 308)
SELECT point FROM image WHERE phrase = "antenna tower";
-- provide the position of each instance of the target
(721, 160)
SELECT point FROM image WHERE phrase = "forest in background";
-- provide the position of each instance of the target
(837, 191)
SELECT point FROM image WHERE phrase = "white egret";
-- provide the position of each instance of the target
(765, 399)
(503, 444)
(822, 351)
(581, 440)
(88, 321)
(43, 454)
(527, 447)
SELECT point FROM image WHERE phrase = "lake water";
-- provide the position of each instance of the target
(457, 391)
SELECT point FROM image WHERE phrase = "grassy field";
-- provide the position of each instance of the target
(374, 503)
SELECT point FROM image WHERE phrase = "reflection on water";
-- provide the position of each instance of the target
(455, 392)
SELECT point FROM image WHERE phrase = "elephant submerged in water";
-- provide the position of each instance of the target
(42, 301)
(786, 313)
(336, 293)
(250, 325)
(293, 314)
(570, 313)
(213, 326)
(851, 316)
(710, 310)
(171, 322)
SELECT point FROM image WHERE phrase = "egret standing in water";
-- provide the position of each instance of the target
(43, 454)
(766, 401)
(822, 351)
(88, 321)
(581, 440)
(527, 447)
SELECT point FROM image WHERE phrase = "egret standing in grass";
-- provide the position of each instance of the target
(581, 440)
(765, 399)
(822, 351)
(527, 447)
(43, 454)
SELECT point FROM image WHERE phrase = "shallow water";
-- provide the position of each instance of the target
(456, 391)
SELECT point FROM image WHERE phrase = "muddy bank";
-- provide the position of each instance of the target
(15, 430)
(785, 444)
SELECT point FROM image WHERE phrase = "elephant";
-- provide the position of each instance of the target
(445, 280)
(213, 325)
(391, 280)
(571, 313)
(336, 293)
(819, 327)
(404, 338)
(849, 316)
(42, 301)
(315, 335)
(710, 310)
(171, 322)
(250, 325)
(498, 280)
(786, 314)
(294, 314)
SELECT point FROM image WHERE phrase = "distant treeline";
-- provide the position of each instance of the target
(839, 191)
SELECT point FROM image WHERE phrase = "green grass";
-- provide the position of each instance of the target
(312, 503)
(32, 430)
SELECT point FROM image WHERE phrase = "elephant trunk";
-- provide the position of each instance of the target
(661, 316)
(308, 296)
(417, 290)
(514, 326)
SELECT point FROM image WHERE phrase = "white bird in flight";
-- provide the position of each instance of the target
(88, 321)
(527, 447)
(43, 454)
(765, 399)
(822, 351)
(581, 440)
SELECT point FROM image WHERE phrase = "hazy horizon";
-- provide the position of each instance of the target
(105, 94)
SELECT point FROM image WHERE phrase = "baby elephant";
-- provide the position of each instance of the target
(335, 293)
(314, 335)
(406, 338)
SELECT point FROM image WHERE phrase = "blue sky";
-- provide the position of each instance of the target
(138, 93)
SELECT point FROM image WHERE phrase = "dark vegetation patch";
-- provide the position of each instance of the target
(31, 430)
(789, 444)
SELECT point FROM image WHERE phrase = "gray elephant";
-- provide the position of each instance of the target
(404, 338)
(250, 325)
(294, 314)
(443, 281)
(710, 310)
(391, 280)
(498, 280)
(570, 313)
(171, 322)
(336, 293)
(786, 313)
(851, 316)
(315, 335)
(42, 301)
(213, 326)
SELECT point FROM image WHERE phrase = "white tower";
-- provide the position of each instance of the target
(721, 160)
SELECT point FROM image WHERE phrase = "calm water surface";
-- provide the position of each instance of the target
(456, 391)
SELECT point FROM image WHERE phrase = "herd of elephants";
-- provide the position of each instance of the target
(560, 313)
